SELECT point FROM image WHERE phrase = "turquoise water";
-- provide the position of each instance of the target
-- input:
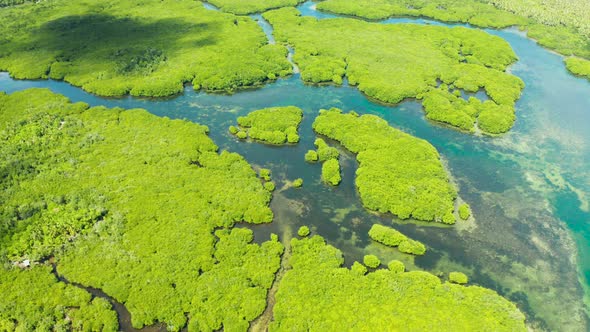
(526, 188)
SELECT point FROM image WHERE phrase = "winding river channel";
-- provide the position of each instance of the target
(529, 189)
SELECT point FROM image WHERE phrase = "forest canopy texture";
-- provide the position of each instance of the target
(138, 206)
(397, 173)
(561, 25)
(384, 300)
(393, 62)
(143, 48)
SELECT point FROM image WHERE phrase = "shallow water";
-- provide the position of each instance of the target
(528, 189)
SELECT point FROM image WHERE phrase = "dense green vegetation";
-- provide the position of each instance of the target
(574, 14)
(145, 47)
(464, 211)
(578, 66)
(5, 3)
(135, 205)
(396, 266)
(466, 11)
(264, 174)
(371, 261)
(397, 173)
(331, 172)
(458, 278)
(561, 25)
(276, 125)
(324, 151)
(33, 300)
(303, 231)
(383, 300)
(394, 238)
(311, 156)
(242, 7)
(410, 65)
(298, 183)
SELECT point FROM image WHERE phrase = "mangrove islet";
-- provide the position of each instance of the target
(397, 173)
(278, 125)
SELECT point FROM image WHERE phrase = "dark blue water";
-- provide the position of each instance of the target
(528, 189)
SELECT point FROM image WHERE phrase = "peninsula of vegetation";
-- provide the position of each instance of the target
(138, 206)
(411, 64)
(397, 173)
(563, 26)
(144, 48)
(383, 300)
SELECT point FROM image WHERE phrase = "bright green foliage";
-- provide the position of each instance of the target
(275, 125)
(397, 173)
(303, 231)
(386, 235)
(233, 130)
(574, 14)
(5, 3)
(33, 300)
(242, 134)
(493, 118)
(311, 156)
(265, 174)
(466, 11)
(331, 172)
(578, 66)
(144, 47)
(458, 278)
(270, 186)
(371, 261)
(298, 183)
(388, 301)
(358, 268)
(325, 152)
(410, 64)
(161, 188)
(396, 266)
(393, 238)
(561, 25)
(464, 211)
(242, 7)
(412, 247)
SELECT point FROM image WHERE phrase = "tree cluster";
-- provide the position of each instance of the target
(397, 173)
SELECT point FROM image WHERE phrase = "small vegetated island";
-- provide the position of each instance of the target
(394, 238)
(139, 206)
(398, 173)
(276, 125)
(242, 7)
(561, 25)
(393, 62)
(384, 300)
(145, 48)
